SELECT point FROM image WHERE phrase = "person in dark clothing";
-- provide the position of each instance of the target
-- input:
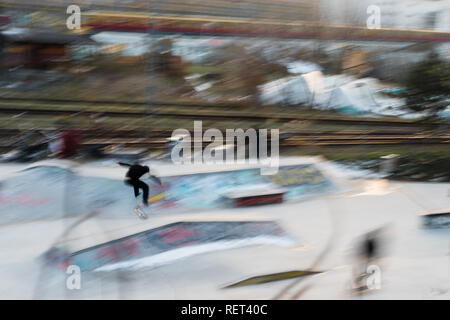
(368, 252)
(71, 142)
(133, 178)
(369, 247)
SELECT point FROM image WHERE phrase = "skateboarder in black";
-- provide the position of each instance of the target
(133, 176)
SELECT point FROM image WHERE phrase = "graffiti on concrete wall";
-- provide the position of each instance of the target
(206, 190)
(293, 176)
(170, 237)
(52, 191)
(300, 180)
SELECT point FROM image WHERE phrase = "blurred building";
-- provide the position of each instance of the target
(34, 48)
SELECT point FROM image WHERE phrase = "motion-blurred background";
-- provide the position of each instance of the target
(318, 70)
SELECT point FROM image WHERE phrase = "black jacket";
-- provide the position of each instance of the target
(135, 171)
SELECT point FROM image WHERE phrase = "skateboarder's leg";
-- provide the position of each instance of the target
(134, 184)
(144, 187)
(136, 190)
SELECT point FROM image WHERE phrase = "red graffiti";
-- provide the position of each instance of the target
(129, 247)
(120, 250)
(65, 264)
(176, 234)
(108, 251)
(27, 200)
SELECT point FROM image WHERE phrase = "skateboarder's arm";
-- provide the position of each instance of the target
(123, 164)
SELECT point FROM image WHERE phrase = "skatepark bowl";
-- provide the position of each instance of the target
(68, 231)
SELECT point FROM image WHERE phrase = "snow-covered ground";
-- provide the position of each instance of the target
(416, 263)
(341, 92)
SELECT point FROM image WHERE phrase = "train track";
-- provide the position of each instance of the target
(384, 132)
(121, 102)
(217, 112)
(158, 139)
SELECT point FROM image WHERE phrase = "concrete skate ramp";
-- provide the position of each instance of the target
(54, 192)
(44, 192)
(439, 219)
(174, 241)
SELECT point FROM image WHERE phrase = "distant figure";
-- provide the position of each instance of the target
(70, 143)
(133, 176)
(369, 247)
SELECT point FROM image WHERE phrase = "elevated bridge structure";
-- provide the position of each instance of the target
(214, 26)
(250, 18)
